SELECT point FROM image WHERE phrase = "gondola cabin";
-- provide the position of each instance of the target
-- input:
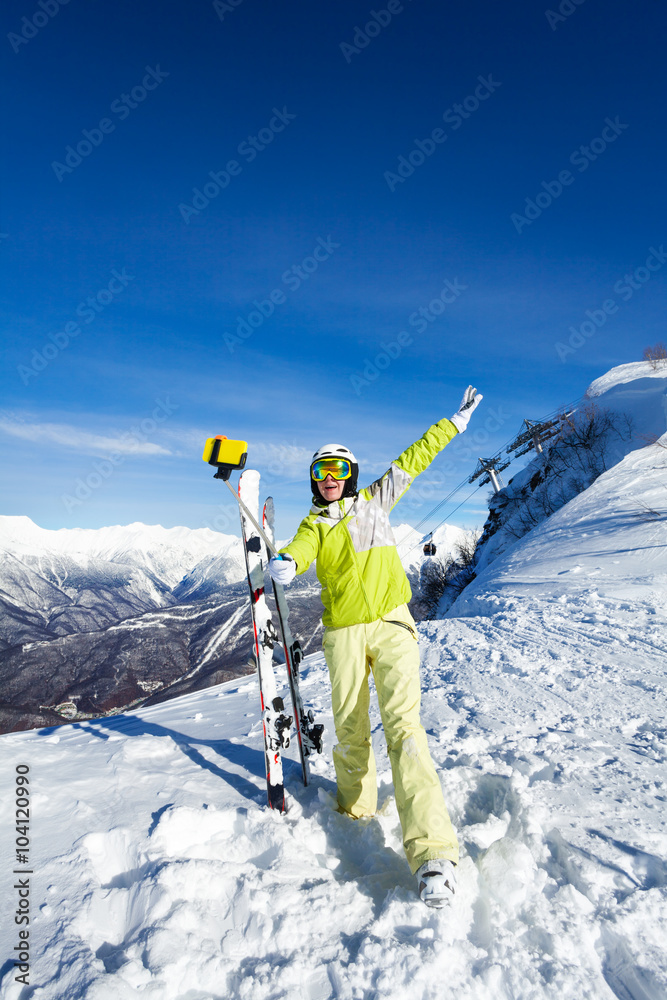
(429, 548)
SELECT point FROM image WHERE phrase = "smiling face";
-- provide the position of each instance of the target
(331, 489)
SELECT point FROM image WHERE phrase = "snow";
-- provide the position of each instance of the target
(159, 872)
(168, 552)
(606, 544)
(622, 412)
(623, 374)
(617, 525)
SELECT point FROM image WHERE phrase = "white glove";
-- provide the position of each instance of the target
(469, 403)
(282, 569)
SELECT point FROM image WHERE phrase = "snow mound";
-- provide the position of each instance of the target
(626, 413)
(622, 374)
(606, 542)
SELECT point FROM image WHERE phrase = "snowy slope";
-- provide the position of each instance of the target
(609, 539)
(623, 411)
(158, 871)
(607, 544)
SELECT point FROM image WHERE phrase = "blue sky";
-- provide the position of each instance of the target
(499, 167)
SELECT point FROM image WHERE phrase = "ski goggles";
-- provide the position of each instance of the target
(339, 468)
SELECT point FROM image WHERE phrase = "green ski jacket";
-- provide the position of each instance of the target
(357, 562)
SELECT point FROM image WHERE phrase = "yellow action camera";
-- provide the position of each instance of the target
(227, 456)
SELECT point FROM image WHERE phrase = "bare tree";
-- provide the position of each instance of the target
(446, 578)
(432, 583)
(656, 356)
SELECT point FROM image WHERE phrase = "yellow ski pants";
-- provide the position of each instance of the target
(390, 649)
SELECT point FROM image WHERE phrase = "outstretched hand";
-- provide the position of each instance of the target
(469, 403)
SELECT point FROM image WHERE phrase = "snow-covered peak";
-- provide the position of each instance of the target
(149, 544)
(20, 534)
(167, 555)
(638, 395)
(626, 373)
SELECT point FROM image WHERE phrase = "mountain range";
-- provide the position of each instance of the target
(95, 621)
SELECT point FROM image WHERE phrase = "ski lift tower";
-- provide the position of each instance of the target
(490, 468)
(535, 433)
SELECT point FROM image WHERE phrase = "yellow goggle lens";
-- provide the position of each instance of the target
(339, 468)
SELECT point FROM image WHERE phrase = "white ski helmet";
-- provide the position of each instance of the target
(335, 451)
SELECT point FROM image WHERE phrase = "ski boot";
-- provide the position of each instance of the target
(436, 882)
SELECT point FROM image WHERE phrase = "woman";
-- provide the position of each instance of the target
(368, 627)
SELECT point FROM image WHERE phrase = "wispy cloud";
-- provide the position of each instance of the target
(78, 440)
(290, 458)
(284, 457)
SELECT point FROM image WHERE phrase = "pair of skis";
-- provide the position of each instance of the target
(276, 723)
